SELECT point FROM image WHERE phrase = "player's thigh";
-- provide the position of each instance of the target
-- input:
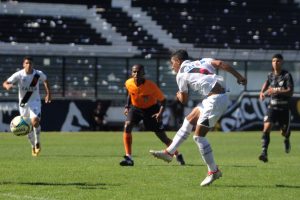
(151, 124)
(24, 111)
(134, 116)
(193, 116)
(272, 115)
(212, 109)
(35, 111)
(284, 119)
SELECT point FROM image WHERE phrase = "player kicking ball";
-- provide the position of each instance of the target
(200, 76)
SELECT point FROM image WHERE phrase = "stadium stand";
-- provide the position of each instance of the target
(228, 24)
(224, 29)
(133, 32)
(48, 29)
(115, 44)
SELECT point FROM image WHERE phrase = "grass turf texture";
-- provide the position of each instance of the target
(86, 166)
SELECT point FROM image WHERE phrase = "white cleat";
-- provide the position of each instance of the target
(211, 177)
(163, 155)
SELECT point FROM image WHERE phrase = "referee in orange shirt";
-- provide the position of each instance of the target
(145, 102)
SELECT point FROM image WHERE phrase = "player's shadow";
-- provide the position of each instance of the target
(260, 186)
(79, 156)
(201, 165)
(80, 185)
(287, 186)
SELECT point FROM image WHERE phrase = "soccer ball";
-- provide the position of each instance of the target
(20, 126)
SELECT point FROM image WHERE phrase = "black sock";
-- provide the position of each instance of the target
(265, 141)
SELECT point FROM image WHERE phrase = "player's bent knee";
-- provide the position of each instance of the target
(35, 122)
(128, 126)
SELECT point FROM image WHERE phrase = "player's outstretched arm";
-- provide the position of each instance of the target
(226, 67)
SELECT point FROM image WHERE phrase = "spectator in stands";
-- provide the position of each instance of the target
(28, 80)
(280, 87)
(145, 102)
(200, 76)
(99, 114)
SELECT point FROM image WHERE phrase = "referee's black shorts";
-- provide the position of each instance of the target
(135, 115)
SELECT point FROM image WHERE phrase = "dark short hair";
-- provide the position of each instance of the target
(181, 54)
(140, 66)
(278, 55)
(28, 58)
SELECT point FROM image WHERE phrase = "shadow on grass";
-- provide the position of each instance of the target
(242, 166)
(259, 186)
(80, 185)
(203, 165)
(287, 186)
(79, 156)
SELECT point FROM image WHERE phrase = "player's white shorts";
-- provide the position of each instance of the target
(31, 110)
(211, 109)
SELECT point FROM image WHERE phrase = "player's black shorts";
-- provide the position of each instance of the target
(282, 116)
(135, 115)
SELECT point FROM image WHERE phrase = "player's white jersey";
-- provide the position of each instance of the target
(24, 80)
(198, 75)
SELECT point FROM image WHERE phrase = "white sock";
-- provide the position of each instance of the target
(37, 132)
(181, 135)
(206, 152)
(30, 137)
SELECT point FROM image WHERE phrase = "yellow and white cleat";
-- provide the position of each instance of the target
(33, 152)
(37, 151)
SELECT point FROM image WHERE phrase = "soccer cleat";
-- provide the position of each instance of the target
(211, 177)
(287, 145)
(33, 153)
(180, 159)
(37, 149)
(127, 161)
(263, 157)
(163, 155)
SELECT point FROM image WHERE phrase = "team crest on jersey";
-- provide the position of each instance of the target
(281, 83)
(146, 98)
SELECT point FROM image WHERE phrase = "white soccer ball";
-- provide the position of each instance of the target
(20, 126)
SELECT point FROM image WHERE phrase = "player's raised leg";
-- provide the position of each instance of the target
(181, 135)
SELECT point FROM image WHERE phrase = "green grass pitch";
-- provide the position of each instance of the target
(85, 166)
